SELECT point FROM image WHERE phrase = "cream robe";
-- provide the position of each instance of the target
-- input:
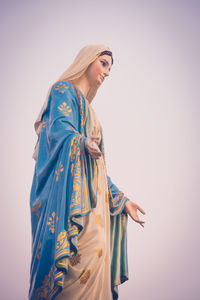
(89, 271)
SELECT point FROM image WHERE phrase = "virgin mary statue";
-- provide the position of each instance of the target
(78, 215)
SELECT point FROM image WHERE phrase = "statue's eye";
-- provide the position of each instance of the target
(103, 63)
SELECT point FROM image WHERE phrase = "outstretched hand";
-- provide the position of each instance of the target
(92, 147)
(131, 208)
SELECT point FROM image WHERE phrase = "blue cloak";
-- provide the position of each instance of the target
(63, 192)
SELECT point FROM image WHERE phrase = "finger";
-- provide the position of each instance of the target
(95, 157)
(141, 210)
(93, 145)
(141, 222)
(90, 143)
(136, 219)
(95, 151)
(95, 140)
(95, 154)
(93, 137)
(94, 148)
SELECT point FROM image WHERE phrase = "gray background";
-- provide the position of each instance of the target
(149, 111)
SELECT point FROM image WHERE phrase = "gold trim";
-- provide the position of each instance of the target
(85, 276)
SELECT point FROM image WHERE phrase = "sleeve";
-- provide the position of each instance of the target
(117, 199)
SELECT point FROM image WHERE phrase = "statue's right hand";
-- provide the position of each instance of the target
(92, 147)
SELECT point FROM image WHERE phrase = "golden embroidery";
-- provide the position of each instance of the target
(98, 220)
(44, 291)
(85, 276)
(61, 87)
(99, 252)
(75, 150)
(95, 175)
(60, 169)
(43, 124)
(106, 197)
(36, 207)
(75, 259)
(72, 128)
(82, 113)
(76, 173)
(109, 193)
(38, 250)
(77, 166)
(117, 202)
(99, 190)
(75, 200)
(65, 109)
(123, 225)
(72, 230)
(52, 222)
(62, 241)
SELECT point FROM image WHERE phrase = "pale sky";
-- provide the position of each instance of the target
(149, 111)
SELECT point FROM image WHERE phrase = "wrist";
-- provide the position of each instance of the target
(83, 141)
(126, 206)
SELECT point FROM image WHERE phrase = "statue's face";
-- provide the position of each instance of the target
(99, 69)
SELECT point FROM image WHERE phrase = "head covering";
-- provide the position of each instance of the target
(85, 57)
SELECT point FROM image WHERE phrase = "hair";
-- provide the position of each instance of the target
(107, 53)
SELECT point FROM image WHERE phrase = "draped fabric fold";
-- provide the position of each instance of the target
(63, 191)
(118, 237)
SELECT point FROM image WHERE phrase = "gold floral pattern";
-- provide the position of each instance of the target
(62, 241)
(109, 193)
(44, 291)
(75, 149)
(36, 207)
(106, 197)
(52, 222)
(75, 259)
(65, 109)
(117, 203)
(75, 200)
(72, 128)
(61, 87)
(62, 245)
(98, 220)
(82, 112)
(38, 250)
(60, 169)
(99, 190)
(85, 276)
(76, 171)
(99, 252)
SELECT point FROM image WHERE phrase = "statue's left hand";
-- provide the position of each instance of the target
(131, 208)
